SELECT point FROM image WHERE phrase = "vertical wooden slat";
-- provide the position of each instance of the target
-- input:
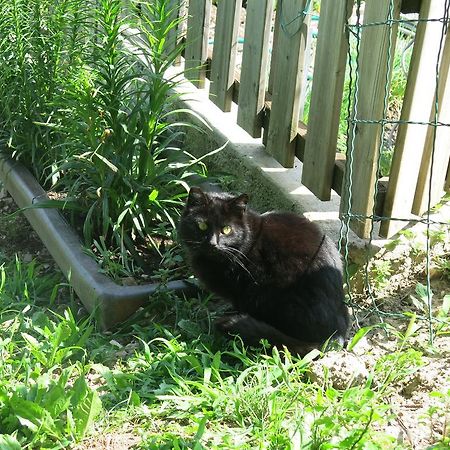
(176, 11)
(224, 53)
(326, 97)
(288, 72)
(442, 142)
(273, 56)
(173, 7)
(373, 68)
(417, 104)
(196, 50)
(273, 64)
(447, 179)
(252, 86)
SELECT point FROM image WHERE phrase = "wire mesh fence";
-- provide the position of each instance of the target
(357, 118)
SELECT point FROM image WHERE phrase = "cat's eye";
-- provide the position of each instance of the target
(203, 226)
(226, 229)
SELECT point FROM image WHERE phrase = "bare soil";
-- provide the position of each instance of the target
(110, 441)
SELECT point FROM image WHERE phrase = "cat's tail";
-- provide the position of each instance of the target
(252, 330)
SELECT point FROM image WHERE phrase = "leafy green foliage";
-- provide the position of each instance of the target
(44, 398)
(88, 105)
(127, 170)
(442, 409)
(40, 41)
(175, 382)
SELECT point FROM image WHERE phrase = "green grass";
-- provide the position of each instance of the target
(167, 377)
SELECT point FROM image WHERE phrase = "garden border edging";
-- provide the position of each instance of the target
(111, 303)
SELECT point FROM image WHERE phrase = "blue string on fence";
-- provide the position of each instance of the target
(354, 30)
(396, 21)
(300, 17)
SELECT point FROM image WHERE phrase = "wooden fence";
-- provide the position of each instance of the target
(273, 46)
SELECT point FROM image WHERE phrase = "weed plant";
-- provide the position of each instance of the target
(45, 401)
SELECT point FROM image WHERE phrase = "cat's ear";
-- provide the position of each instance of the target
(239, 204)
(196, 197)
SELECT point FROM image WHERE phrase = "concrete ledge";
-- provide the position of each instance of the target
(269, 185)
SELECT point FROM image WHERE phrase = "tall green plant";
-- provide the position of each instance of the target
(86, 103)
(121, 161)
(38, 39)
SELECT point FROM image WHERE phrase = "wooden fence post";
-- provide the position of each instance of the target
(196, 50)
(373, 76)
(417, 104)
(326, 97)
(288, 73)
(442, 142)
(223, 62)
(255, 54)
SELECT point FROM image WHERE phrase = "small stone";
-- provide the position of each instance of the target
(27, 257)
(343, 369)
(362, 347)
(129, 281)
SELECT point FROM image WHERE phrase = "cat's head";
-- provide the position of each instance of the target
(214, 222)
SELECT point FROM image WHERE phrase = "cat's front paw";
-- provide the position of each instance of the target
(230, 324)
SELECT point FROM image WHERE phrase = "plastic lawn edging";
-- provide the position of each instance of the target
(111, 303)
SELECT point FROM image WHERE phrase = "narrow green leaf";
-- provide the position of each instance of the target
(200, 432)
(8, 442)
(31, 415)
(31, 340)
(359, 335)
(445, 308)
(107, 162)
(153, 195)
(411, 327)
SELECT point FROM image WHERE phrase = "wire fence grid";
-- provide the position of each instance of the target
(354, 32)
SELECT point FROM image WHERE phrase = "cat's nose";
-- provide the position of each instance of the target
(214, 241)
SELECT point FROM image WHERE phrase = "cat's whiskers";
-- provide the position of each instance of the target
(235, 259)
(236, 250)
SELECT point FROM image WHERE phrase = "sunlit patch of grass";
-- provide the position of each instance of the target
(45, 401)
(171, 379)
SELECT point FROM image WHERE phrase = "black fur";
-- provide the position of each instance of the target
(280, 272)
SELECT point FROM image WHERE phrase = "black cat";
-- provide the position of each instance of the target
(280, 272)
